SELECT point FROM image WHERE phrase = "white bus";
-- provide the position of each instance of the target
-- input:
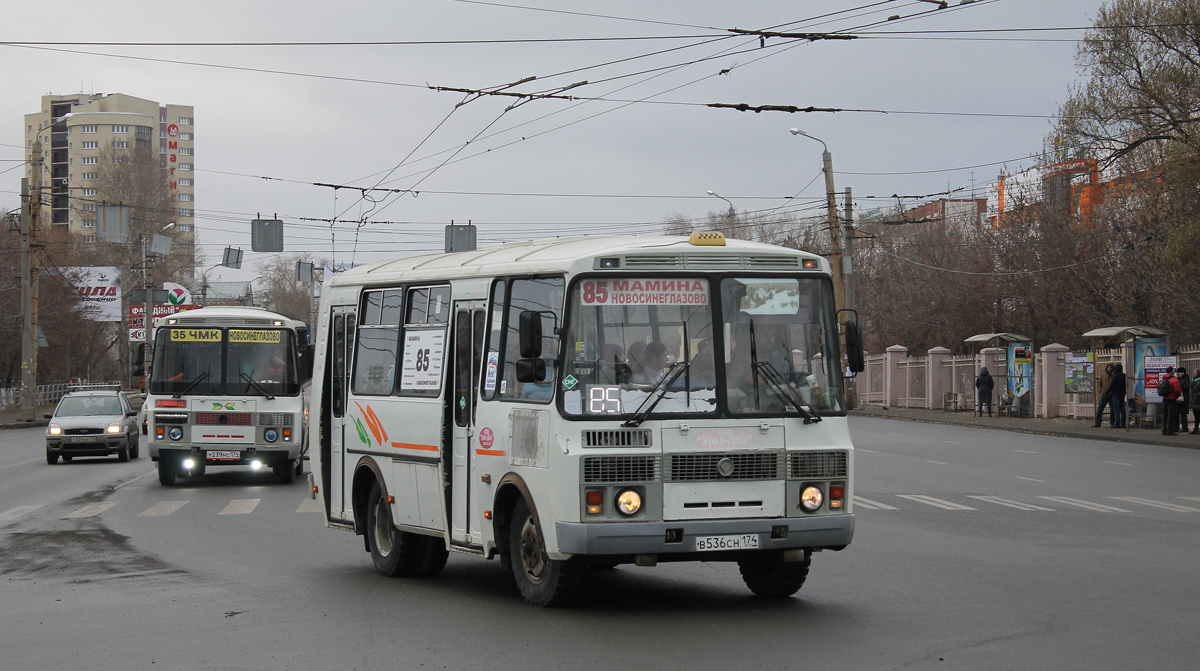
(587, 401)
(225, 390)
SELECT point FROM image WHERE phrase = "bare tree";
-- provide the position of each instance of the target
(280, 291)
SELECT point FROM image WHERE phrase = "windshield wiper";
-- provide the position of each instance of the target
(195, 381)
(254, 384)
(660, 388)
(786, 393)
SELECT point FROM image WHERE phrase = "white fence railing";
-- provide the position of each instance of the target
(50, 393)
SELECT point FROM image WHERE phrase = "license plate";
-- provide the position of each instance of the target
(84, 439)
(224, 454)
(737, 542)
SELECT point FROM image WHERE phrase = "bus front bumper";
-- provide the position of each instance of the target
(672, 538)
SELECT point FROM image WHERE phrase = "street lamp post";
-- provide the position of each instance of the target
(148, 315)
(835, 238)
(732, 213)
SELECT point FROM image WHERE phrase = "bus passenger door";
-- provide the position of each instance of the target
(341, 347)
(469, 321)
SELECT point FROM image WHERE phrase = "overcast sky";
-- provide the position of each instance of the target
(551, 166)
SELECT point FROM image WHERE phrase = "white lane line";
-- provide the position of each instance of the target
(1174, 507)
(896, 434)
(143, 475)
(162, 508)
(955, 442)
(311, 506)
(19, 463)
(940, 463)
(1118, 463)
(14, 513)
(240, 507)
(1011, 504)
(872, 505)
(936, 503)
(1022, 477)
(1087, 505)
(1191, 498)
(1026, 451)
(862, 450)
(90, 510)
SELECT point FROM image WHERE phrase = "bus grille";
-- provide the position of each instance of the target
(620, 469)
(746, 466)
(617, 438)
(274, 419)
(827, 464)
(224, 418)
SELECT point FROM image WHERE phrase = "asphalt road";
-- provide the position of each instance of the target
(974, 549)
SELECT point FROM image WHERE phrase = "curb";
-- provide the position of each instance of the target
(25, 425)
(1036, 432)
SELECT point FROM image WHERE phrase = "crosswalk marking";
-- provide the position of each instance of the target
(1011, 504)
(310, 506)
(1175, 507)
(90, 510)
(936, 503)
(1088, 505)
(1021, 477)
(14, 513)
(162, 508)
(240, 507)
(871, 505)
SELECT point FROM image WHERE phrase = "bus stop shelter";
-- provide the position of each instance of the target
(1016, 396)
(1144, 341)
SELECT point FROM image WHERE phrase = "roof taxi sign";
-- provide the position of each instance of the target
(644, 291)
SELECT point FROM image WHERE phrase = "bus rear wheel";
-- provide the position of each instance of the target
(541, 580)
(395, 553)
(767, 574)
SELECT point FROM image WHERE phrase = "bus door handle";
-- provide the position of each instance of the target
(470, 431)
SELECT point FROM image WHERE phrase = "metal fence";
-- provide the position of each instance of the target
(50, 393)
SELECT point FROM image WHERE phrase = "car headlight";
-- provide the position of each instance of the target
(55, 430)
(175, 433)
(629, 502)
(811, 498)
(115, 427)
(270, 435)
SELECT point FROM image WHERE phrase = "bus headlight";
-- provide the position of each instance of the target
(811, 498)
(55, 430)
(115, 427)
(629, 502)
(176, 433)
(270, 435)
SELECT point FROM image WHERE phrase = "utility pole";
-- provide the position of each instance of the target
(148, 317)
(835, 234)
(848, 267)
(31, 196)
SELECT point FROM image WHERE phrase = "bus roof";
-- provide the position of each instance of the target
(231, 315)
(555, 255)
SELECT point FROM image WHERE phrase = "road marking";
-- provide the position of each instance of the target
(143, 475)
(936, 503)
(1191, 498)
(311, 506)
(955, 442)
(1022, 477)
(19, 463)
(872, 505)
(1157, 504)
(240, 507)
(14, 513)
(862, 450)
(1011, 504)
(90, 510)
(942, 463)
(162, 508)
(896, 434)
(1026, 451)
(1087, 505)
(1118, 463)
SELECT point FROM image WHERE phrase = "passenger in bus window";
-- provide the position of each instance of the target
(637, 355)
(654, 365)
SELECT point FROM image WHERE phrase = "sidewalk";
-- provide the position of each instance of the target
(1061, 426)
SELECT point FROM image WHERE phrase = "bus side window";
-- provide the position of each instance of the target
(491, 363)
(545, 296)
(378, 340)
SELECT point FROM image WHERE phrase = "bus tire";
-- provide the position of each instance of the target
(286, 472)
(166, 472)
(395, 553)
(767, 575)
(299, 467)
(542, 581)
(433, 557)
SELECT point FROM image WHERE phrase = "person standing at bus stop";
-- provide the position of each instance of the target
(1116, 395)
(1106, 397)
(1170, 403)
(984, 384)
(1185, 387)
(1194, 402)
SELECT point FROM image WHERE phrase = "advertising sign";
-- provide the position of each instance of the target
(1081, 373)
(136, 317)
(99, 290)
(177, 294)
(1156, 367)
(1020, 370)
(1145, 348)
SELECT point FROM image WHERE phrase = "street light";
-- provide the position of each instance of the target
(148, 282)
(835, 238)
(732, 213)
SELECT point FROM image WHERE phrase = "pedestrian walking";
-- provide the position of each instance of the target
(1185, 386)
(1170, 403)
(1105, 397)
(984, 384)
(1194, 402)
(1116, 394)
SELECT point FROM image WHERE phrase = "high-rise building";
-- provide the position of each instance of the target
(101, 125)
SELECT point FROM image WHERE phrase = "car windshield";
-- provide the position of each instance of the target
(88, 406)
(627, 334)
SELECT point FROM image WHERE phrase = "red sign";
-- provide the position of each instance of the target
(486, 438)
(173, 130)
(137, 312)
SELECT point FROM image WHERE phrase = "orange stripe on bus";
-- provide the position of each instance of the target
(491, 453)
(411, 446)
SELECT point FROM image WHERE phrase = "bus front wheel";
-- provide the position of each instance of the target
(395, 553)
(166, 472)
(541, 580)
(767, 574)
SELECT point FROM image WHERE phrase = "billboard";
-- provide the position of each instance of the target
(99, 289)
(1020, 371)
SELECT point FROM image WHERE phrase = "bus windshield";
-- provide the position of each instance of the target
(233, 361)
(776, 350)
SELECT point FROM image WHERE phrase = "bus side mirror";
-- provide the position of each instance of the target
(530, 334)
(306, 362)
(531, 370)
(854, 347)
